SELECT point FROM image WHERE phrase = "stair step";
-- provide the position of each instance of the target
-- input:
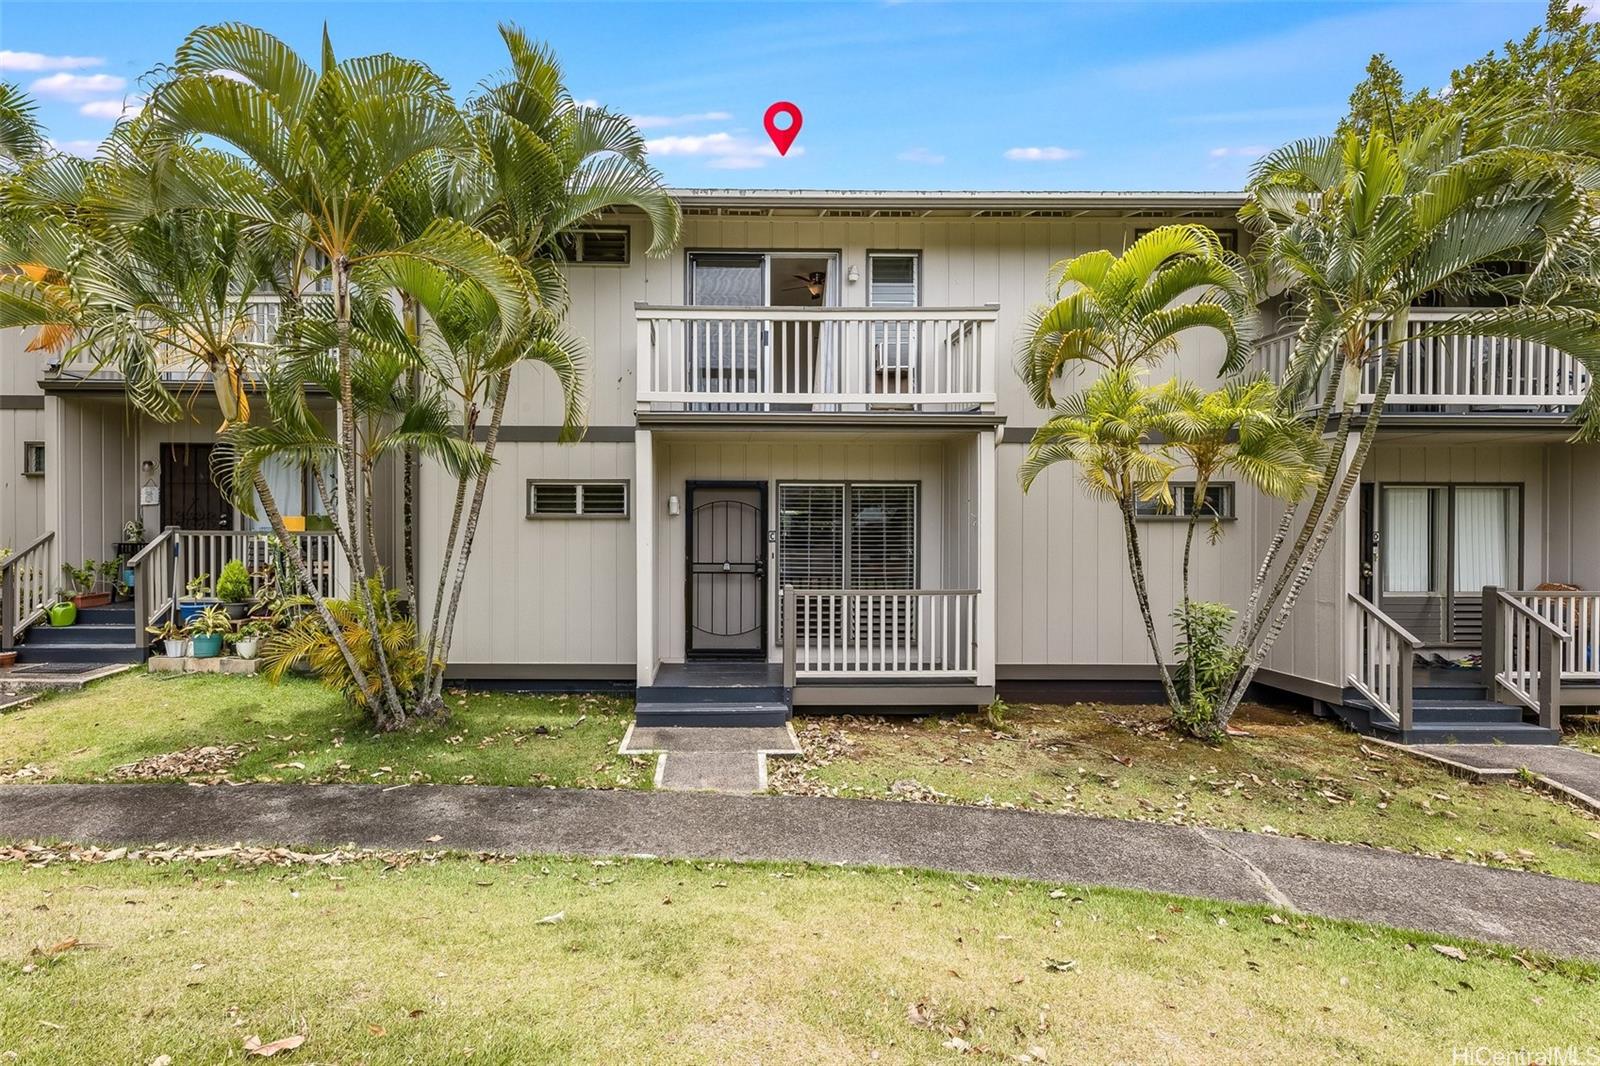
(1449, 692)
(1433, 711)
(726, 713)
(94, 633)
(111, 613)
(125, 652)
(1470, 733)
(744, 694)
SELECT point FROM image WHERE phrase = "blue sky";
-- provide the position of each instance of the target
(895, 95)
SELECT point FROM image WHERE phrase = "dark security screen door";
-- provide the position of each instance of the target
(189, 498)
(727, 574)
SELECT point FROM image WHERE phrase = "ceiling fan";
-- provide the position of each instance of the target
(814, 283)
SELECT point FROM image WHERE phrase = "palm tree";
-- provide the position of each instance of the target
(1125, 314)
(1358, 229)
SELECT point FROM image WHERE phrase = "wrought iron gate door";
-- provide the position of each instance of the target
(726, 569)
(189, 498)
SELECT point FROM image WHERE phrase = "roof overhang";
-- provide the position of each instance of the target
(888, 203)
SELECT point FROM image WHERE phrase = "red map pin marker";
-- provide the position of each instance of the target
(782, 137)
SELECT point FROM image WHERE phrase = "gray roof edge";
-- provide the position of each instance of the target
(955, 198)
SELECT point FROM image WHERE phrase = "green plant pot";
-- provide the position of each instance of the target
(207, 647)
(63, 614)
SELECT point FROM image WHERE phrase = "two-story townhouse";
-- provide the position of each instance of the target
(798, 488)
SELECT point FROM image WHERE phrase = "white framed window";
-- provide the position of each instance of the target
(596, 245)
(577, 499)
(1218, 504)
(894, 280)
(847, 535)
(33, 458)
(1228, 237)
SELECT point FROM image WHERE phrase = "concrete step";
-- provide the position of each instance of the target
(1434, 711)
(654, 712)
(713, 695)
(1468, 733)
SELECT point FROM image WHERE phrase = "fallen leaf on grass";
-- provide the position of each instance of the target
(254, 1046)
(161, 1060)
(1451, 952)
(1061, 965)
(552, 919)
(58, 947)
(377, 1030)
(435, 838)
(958, 1045)
(917, 1015)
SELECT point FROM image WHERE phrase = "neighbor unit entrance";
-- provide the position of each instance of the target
(1432, 550)
(726, 571)
(190, 499)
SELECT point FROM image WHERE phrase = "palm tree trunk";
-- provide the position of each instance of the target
(411, 317)
(1201, 483)
(1352, 477)
(1130, 533)
(503, 388)
(435, 660)
(275, 519)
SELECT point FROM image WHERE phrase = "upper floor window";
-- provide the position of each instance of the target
(892, 279)
(33, 458)
(1228, 237)
(1218, 502)
(595, 245)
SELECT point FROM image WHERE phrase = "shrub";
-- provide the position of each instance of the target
(1204, 639)
(233, 584)
(211, 622)
(306, 638)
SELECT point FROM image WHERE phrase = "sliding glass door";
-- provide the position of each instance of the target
(1437, 547)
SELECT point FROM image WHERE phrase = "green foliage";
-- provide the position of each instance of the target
(198, 587)
(1205, 648)
(211, 622)
(994, 715)
(168, 630)
(306, 639)
(84, 577)
(233, 584)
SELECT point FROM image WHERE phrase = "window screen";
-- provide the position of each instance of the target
(1218, 502)
(577, 499)
(847, 537)
(892, 282)
(33, 458)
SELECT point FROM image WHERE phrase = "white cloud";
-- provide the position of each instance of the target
(77, 87)
(656, 122)
(38, 61)
(587, 101)
(1591, 12)
(231, 75)
(112, 109)
(84, 148)
(1245, 151)
(721, 151)
(920, 155)
(1046, 154)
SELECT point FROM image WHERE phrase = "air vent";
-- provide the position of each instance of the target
(1050, 213)
(896, 212)
(998, 214)
(839, 212)
(699, 210)
(744, 212)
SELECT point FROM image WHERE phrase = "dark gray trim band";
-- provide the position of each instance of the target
(552, 434)
(889, 694)
(1146, 673)
(821, 421)
(539, 672)
(21, 402)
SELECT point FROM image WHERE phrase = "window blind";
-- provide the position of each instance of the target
(892, 282)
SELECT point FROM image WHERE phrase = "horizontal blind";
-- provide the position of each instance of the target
(883, 555)
(892, 282)
(811, 543)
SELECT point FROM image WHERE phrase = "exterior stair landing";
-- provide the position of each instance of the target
(1449, 712)
(714, 694)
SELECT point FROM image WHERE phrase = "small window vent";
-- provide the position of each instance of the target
(844, 212)
(577, 499)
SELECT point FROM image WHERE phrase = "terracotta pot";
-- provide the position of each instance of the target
(93, 599)
(7, 659)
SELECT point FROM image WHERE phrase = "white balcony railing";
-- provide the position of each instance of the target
(879, 633)
(1457, 371)
(179, 367)
(816, 358)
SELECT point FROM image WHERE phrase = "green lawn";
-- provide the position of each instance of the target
(643, 961)
(1293, 775)
(1582, 731)
(299, 731)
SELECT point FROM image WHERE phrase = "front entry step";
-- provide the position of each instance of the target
(725, 712)
(1449, 721)
(714, 694)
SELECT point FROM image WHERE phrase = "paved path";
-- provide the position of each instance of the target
(731, 759)
(1569, 770)
(1327, 879)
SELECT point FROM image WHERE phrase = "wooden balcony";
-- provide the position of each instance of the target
(1458, 374)
(824, 359)
(178, 368)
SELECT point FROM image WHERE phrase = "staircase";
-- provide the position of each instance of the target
(102, 636)
(1448, 710)
(714, 694)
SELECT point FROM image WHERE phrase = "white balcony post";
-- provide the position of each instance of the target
(644, 546)
(645, 360)
(987, 475)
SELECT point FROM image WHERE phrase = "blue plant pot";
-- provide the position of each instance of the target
(127, 576)
(189, 610)
(207, 647)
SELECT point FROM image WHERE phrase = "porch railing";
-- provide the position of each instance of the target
(154, 567)
(1482, 371)
(1385, 658)
(264, 312)
(1577, 615)
(1522, 654)
(879, 633)
(28, 580)
(820, 358)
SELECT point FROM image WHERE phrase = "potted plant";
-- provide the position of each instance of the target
(196, 600)
(233, 589)
(62, 611)
(207, 630)
(247, 639)
(112, 574)
(172, 638)
(126, 548)
(85, 578)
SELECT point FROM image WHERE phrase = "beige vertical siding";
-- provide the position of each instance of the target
(24, 501)
(1573, 525)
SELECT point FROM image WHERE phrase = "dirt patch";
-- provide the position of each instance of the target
(212, 760)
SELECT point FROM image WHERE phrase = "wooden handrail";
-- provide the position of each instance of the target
(1517, 605)
(1395, 627)
(11, 560)
(138, 556)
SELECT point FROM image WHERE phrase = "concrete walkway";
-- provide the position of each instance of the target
(1338, 881)
(1570, 771)
(731, 759)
